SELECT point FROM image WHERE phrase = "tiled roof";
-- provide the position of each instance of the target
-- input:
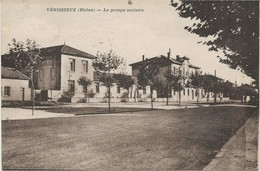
(162, 57)
(65, 49)
(11, 73)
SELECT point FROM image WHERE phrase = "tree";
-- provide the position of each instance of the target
(230, 26)
(196, 81)
(148, 76)
(209, 84)
(85, 82)
(107, 63)
(125, 81)
(25, 57)
(226, 88)
(176, 81)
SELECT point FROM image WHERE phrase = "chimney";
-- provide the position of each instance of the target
(143, 57)
(177, 57)
(169, 54)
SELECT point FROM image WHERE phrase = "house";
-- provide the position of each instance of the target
(15, 85)
(174, 65)
(61, 70)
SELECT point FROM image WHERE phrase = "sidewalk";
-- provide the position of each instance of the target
(240, 152)
(19, 113)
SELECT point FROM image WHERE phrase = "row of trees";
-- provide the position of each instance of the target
(149, 75)
(26, 57)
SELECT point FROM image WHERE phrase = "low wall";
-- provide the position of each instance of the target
(104, 100)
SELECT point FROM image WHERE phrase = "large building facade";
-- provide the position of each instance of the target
(63, 66)
(174, 65)
(61, 70)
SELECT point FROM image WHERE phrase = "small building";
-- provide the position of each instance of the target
(15, 85)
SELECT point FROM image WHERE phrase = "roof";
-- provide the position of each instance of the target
(164, 59)
(161, 57)
(67, 50)
(193, 66)
(12, 73)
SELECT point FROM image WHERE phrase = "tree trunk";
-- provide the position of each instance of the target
(179, 95)
(215, 97)
(151, 97)
(109, 98)
(167, 100)
(127, 99)
(197, 97)
(32, 93)
(87, 94)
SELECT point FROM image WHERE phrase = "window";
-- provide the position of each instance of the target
(144, 90)
(97, 87)
(85, 66)
(72, 64)
(118, 89)
(71, 86)
(188, 92)
(174, 92)
(7, 91)
(196, 93)
(183, 91)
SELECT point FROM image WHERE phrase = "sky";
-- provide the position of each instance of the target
(130, 34)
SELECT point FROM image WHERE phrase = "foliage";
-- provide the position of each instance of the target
(230, 26)
(196, 79)
(124, 97)
(148, 76)
(85, 82)
(25, 57)
(65, 97)
(208, 82)
(106, 80)
(106, 63)
(123, 80)
(176, 80)
(91, 94)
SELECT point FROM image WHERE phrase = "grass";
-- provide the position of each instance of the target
(159, 140)
(91, 110)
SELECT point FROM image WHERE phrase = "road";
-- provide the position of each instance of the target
(161, 139)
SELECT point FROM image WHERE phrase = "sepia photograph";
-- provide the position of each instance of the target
(129, 85)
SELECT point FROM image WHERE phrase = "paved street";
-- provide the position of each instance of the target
(160, 139)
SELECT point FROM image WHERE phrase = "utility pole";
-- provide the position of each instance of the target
(169, 70)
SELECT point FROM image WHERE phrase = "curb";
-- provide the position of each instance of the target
(230, 155)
